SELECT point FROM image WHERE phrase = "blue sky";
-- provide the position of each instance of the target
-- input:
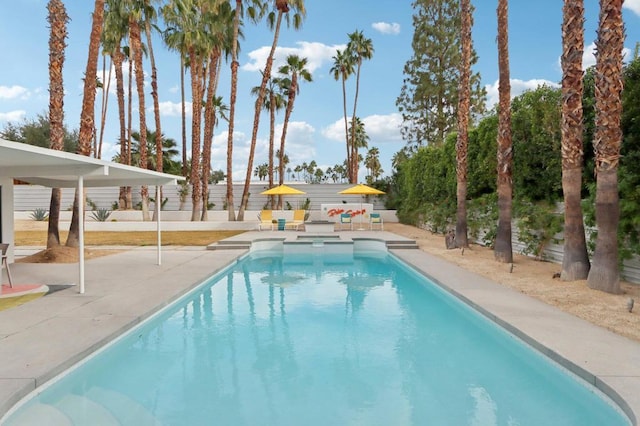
(316, 130)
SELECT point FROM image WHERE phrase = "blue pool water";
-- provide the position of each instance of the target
(319, 340)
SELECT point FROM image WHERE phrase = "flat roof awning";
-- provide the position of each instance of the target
(59, 169)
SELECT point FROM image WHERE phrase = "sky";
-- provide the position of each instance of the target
(316, 128)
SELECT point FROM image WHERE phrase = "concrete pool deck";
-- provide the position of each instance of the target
(42, 338)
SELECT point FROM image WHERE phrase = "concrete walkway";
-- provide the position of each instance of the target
(42, 338)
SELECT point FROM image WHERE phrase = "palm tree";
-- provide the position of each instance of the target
(174, 38)
(169, 151)
(255, 11)
(274, 20)
(219, 29)
(273, 102)
(294, 70)
(575, 261)
(360, 139)
(503, 250)
(114, 31)
(149, 16)
(58, 19)
(85, 135)
(604, 274)
(462, 143)
(342, 68)
(359, 48)
(135, 39)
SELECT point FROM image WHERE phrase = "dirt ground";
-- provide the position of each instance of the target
(536, 279)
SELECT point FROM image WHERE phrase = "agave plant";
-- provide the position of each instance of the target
(40, 215)
(101, 215)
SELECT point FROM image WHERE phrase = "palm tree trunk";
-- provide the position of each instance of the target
(256, 117)
(503, 248)
(232, 111)
(346, 124)
(183, 113)
(575, 261)
(118, 59)
(272, 130)
(196, 94)
(463, 125)
(209, 123)
(354, 147)
(58, 21)
(106, 84)
(604, 274)
(87, 115)
(283, 138)
(136, 44)
(154, 96)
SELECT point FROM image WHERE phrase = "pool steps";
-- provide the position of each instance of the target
(106, 407)
(312, 240)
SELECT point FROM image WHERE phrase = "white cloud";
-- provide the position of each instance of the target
(12, 116)
(316, 53)
(174, 89)
(517, 88)
(633, 5)
(173, 109)
(386, 28)
(380, 129)
(13, 92)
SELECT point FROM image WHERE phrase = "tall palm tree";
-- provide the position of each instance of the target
(273, 102)
(503, 249)
(343, 68)
(58, 19)
(174, 38)
(294, 70)
(575, 261)
(135, 17)
(282, 8)
(360, 48)
(114, 32)
(462, 143)
(604, 274)
(255, 10)
(149, 17)
(85, 135)
(220, 32)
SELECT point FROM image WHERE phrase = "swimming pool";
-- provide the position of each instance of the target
(320, 339)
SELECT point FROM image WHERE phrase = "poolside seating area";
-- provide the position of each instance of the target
(280, 220)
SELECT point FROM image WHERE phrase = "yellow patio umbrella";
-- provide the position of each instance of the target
(282, 190)
(361, 189)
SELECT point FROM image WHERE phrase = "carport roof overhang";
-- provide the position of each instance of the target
(59, 169)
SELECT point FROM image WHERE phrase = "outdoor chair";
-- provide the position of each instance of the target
(376, 220)
(4, 247)
(266, 220)
(298, 219)
(346, 220)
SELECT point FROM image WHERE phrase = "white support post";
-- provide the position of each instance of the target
(158, 204)
(81, 232)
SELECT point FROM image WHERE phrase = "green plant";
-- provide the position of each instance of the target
(115, 205)
(482, 218)
(91, 204)
(101, 214)
(40, 215)
(537, 224)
